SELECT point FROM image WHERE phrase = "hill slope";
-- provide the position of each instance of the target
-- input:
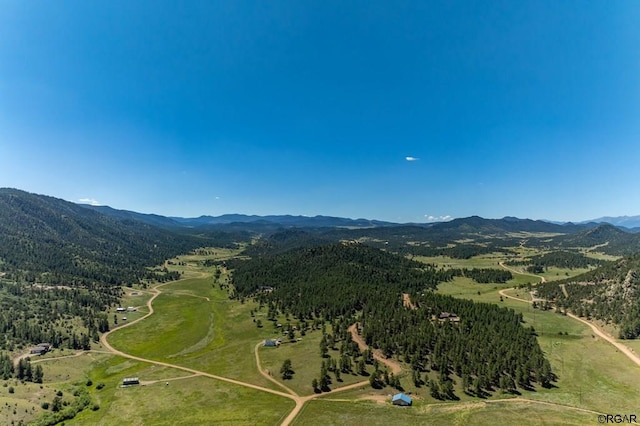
(54, 241)
(610, 293)
(612, 240)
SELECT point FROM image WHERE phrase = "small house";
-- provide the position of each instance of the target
(447, 316)
(37, 350)
(401, 400)
(41, 348)
(128, 381)
(131, 309)
(271, 343)
(120, 309)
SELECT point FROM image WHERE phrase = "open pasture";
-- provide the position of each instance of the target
(184, 400)
(196, 325)
(334, 412)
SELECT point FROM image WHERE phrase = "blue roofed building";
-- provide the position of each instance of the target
(401, 399)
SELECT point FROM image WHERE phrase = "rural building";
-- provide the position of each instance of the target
(401, 400)
(128, 381)
(41, 348)
(37, 350)
(447, 316)
(271, 343)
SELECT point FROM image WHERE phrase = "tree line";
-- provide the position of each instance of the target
(559, 259)
(23, 370)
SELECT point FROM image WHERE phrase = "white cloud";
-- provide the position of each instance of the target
(90, 201)
(411, 158)
(443, 218)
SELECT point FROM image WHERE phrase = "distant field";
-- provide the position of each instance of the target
(485, 261)
(520, 276)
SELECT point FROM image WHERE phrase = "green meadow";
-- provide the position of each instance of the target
(468, 413)
(168, 396)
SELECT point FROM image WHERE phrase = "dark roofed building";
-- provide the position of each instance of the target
(127, 381)
(447, 316)
(38, 350)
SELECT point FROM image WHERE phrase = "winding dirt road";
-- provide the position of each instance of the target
(624, 349)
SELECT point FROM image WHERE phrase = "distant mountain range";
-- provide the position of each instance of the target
(519, 225)
(630, 222)
(614, 239)
(229, 219)
(59, 241)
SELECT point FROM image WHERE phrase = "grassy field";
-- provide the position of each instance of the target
(23, 403)
(469, 413)
(185, 400)
(217, 335)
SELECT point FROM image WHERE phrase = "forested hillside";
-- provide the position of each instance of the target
(609, 293)
(52, 241)
(61, 316)
(607, 238)
(331, 280)
(486, 347)
(62, 265)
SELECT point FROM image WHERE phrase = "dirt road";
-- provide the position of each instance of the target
(540, 277)
(624, 349)
(377, 354)
(406, 302)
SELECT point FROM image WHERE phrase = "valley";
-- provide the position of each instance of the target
(355, 324)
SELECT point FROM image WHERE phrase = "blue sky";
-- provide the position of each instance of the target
(520, 108)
